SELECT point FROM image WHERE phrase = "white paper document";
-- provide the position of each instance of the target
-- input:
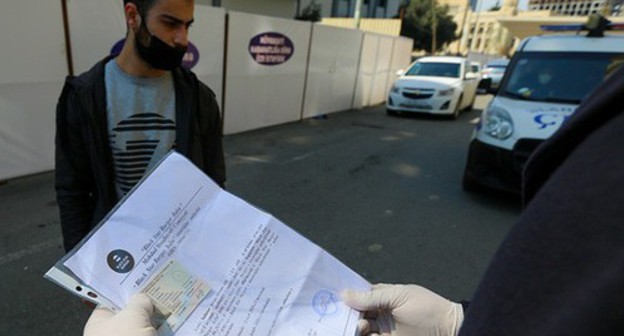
(211, 263)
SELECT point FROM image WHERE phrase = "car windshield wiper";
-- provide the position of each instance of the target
(562, 100)
(545, 99)
(517, 95)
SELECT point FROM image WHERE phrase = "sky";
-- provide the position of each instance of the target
(523, 4)
(487, 4)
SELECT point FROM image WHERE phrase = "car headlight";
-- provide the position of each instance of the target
(446, 92)
(394, 89)
(498, 124)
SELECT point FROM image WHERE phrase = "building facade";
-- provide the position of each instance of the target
(329, 8)
(346, 8)
(277, 8)
(577, 7)
(479, 31)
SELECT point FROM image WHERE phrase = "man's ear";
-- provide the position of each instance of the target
(133, 19)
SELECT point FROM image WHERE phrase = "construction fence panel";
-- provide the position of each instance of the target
(332, 70)
(401, 57)
(265, 71)
(31, 77)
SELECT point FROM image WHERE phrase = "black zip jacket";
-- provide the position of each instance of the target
(560, 270)
(85, 188)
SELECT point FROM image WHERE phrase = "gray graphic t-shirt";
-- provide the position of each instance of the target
(141, 123)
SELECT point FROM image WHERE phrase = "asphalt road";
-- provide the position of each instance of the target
(383, 194)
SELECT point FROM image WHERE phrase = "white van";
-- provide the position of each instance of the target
(545, 81)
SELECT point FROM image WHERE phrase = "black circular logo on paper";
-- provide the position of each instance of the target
(120, 261)
(271, 48)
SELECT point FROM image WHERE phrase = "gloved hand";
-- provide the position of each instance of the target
(405, 310)
(134, 320)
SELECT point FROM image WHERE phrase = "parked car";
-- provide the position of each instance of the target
(494, 71)
(545, 82)
(483, 85)
(435, 85)
(476, 68)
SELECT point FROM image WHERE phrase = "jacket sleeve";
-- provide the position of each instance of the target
(211, 126)
(73, 179)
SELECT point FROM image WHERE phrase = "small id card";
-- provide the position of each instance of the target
(175, 293)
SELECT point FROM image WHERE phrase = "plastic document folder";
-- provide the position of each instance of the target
(211, 263)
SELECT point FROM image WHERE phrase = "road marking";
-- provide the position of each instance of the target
(298, 158)
(251, 158)
(46, 245)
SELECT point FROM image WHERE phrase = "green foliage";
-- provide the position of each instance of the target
(496, 7)
(417, 24)
(311, 12)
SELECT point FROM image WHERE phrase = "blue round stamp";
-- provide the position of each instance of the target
(325, 303)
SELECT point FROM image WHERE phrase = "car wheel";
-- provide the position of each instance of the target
(457, 107)
(469, 184)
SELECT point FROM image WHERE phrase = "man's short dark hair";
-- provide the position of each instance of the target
(142, 5)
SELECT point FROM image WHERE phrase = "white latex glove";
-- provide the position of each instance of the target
(134, 320)
(405, 310)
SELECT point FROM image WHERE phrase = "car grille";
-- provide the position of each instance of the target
(412, 93)
(521, 152)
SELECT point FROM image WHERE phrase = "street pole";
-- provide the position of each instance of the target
(608, 9)
(434, 27)
(476, 27)
(356, 15)
(464, 29)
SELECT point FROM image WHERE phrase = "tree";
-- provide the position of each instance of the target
(418, 22)
(496, 7)
(311, 12)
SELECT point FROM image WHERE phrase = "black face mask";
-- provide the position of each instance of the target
(157, 53)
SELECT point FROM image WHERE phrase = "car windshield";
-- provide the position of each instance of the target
(432, 69)
(474, 68)
(496, 68)
(558, 77)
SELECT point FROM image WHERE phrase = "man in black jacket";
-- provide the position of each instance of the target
(117, 120)
(560, 270)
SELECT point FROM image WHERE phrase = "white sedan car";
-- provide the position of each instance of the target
(435, 85)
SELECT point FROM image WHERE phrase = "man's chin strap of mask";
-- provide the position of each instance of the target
(157, 53)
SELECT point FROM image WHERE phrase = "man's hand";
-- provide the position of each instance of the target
(405, 310)
(134, 320)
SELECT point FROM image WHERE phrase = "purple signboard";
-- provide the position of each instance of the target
(271, 48)
(190, 60)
